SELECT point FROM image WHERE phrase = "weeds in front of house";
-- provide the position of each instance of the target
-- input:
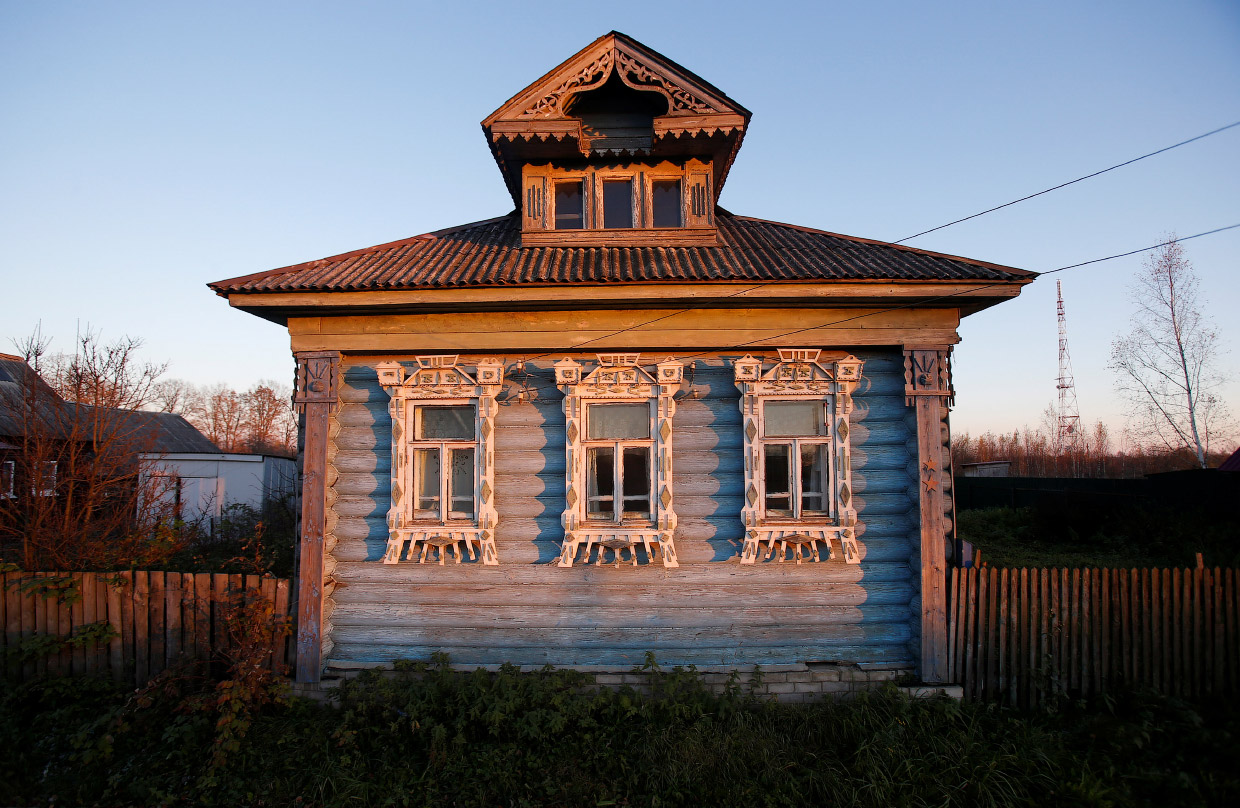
(425, 734)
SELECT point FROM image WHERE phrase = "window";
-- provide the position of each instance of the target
(665, 203)
(8, 473)
(798, 484)
(617, 204)
(618, 494)
(443, 423)
(44, 484)
(618, 450)
(796, 459)
(444, 452)
(569, 205)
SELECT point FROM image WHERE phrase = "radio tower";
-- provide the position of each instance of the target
(1069, 426)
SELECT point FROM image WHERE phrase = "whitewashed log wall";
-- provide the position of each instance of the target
(709, 611)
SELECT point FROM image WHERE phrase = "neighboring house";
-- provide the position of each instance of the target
(201, 484)
(187, 470)
(627, 419)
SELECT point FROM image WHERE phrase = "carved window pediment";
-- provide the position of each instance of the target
(443, 459)
(798, 483)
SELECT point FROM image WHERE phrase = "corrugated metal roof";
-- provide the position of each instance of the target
(489, 253)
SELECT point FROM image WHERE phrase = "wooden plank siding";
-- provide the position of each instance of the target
(709, 611)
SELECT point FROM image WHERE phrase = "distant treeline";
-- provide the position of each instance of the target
(1033, 453)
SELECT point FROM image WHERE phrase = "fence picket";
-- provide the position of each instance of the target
(172, 614)
(156, 621)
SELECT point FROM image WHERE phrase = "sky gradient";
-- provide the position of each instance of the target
(150, 148)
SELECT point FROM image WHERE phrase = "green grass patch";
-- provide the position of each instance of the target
(426, 735)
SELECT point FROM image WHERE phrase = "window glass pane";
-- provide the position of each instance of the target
(787, 418)
(426, 483)
(6, 478)
(446, 423)
(813, 479)
(618, 203)
(665, 203)
(777, 477)
(618, 421)
(635, 479)
(461, 483)
(569, 206)
(600, 482)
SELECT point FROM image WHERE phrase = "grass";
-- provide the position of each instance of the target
(429, 736)
(1085, 536)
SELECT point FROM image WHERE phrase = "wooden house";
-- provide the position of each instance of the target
(621, 419)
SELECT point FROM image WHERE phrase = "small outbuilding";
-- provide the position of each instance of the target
(621, 419)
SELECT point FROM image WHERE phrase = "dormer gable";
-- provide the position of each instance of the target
(618, 144)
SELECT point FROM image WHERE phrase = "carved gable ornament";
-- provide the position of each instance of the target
(541, 123)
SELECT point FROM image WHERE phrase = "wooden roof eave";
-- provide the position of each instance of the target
(966, 297)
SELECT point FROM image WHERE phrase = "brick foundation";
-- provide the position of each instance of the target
(788, 684)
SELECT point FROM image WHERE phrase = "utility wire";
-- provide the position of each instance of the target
(924, 301)
(1070, 182)
(919, 302)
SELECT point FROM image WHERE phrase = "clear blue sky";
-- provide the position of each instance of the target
(148, 148)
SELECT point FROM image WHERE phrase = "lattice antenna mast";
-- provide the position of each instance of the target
(1069, 425)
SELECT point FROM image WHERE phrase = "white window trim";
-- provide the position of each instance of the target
(798, 375)
(618, 378)
(10, 489)
(439, 380)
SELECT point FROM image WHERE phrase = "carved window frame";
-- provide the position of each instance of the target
(618, 378)
(441, 380)
(800, 374)
(697, 224)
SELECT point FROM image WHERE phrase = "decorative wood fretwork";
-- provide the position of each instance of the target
(799, 375)
(928, 372)
(591, 76)
(640, 76)
(632, 72)
(618, 379)
(441, 381)
(316, 394)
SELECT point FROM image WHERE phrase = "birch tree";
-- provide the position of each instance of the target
(1166, 367)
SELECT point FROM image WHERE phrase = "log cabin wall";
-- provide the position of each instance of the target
(710, 611)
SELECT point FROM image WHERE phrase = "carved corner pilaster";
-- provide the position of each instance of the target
(928, 372)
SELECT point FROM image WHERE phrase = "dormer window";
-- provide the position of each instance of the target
(569, 205)
(617, 204)
(663, 204)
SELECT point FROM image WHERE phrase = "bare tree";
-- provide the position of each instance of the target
(1166, 366)
(82, 500)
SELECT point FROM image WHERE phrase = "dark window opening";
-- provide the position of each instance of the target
(569, 206)
(617, 204)
(665, 203)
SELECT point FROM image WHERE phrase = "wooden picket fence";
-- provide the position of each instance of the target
(1027, 636)
(130, 625)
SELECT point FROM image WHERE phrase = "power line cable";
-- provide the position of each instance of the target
(920, 302)
(1070, 182)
